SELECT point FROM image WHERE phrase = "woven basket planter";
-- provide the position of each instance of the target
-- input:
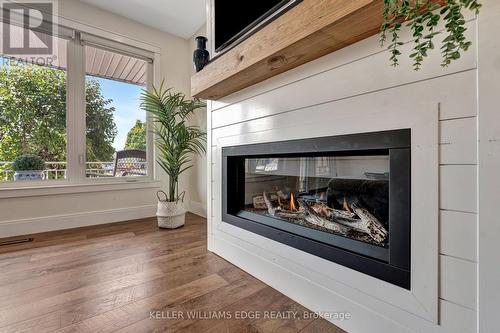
(171, 215)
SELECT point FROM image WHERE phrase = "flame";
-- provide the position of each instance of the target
(292, 203)
(346, 206)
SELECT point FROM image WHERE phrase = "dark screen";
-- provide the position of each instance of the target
(232, 17)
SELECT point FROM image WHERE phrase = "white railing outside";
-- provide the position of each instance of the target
(57, 170)
(99, 169)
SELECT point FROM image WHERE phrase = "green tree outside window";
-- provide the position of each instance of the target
(136, 137)
(33, 115)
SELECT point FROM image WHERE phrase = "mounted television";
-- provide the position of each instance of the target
(236, 20)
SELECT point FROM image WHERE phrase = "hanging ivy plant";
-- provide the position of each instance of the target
(423, 17)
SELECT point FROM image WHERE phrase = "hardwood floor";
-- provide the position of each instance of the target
(133, 277)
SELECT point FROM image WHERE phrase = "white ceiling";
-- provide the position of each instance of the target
(179, 17)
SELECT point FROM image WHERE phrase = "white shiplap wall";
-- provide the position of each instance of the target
(361, 72)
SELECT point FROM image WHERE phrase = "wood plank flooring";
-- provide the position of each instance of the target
(133, 277)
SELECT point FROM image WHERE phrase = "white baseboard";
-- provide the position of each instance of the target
(68, 221)
(197, 208)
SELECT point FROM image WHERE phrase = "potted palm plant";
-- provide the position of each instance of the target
(177, 143)
(28, 167)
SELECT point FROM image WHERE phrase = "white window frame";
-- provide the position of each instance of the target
(76, 180)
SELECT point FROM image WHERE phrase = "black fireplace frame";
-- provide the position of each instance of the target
(392, 263)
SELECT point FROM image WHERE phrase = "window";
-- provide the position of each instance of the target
(60, 123)
(115, 125)
(33, 135)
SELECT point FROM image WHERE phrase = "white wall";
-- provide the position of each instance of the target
(196, 178)
(47, 212)
(320, 93)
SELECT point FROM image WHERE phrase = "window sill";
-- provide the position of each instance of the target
(66, 188)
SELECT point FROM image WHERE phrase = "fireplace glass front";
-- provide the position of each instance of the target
(341, 195)
(343, 198)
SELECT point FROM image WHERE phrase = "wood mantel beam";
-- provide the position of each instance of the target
(308, 31)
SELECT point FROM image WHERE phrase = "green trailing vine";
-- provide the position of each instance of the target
(423, 17)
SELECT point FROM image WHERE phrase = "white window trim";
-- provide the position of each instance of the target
(76, 181)
(109, 35)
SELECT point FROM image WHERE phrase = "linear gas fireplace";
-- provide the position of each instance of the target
(343, 198)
